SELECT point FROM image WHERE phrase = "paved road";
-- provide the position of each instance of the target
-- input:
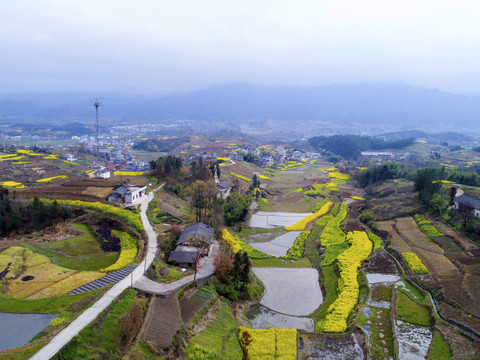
(67, 334)
(205, 270)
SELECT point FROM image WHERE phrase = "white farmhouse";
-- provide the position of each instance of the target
(127, 193)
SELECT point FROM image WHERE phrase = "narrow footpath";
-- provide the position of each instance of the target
(67, 334)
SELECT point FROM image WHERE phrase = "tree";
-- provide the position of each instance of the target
(223, 266)
(202, 194)
(244, 275)
(218, 171)
(236, 208)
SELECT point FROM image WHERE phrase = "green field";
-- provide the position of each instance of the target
(220, 336)
(78, 253)
(412, 312)
(52, 305)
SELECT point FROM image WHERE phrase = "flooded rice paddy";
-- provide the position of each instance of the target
(269, 220)
(18, 329)
(291, 291)
(278, 246)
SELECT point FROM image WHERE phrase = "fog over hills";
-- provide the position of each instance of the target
(393, 103)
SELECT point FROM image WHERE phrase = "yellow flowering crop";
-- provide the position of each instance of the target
(21, 162)
(7, 156)
(11, 158)
(348, 263)
(88, 171)
(236, 245)
(70, 162)
(361, 168)
(338, 175)
(296, 251)
(22, 151)
(264, 177)
(10, 183)
(68, 284)
(300, 226)
(443, 181)
(128, 173)
(35, 154)
(240, 176)
(51, 157)
(127, 254)
(299, 190)
(414, 263)
(331, 168)
(223, 159)
(52, 178)
(357, 198)
(270, 343)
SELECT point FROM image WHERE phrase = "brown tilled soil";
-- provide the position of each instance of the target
(352, 225)
(238, 169)
(189, 306)
(460, 345)
(331, 346)
(163, 321)
(462, 241)
(381, 263)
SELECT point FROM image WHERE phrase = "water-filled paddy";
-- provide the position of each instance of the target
(278, 246)
(291, 291)
(18, 329)
(263, 318)
(270, 220)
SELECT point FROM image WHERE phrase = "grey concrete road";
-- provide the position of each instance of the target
(205, 269)
(67, 334)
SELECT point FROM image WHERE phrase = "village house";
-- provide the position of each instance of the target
(104, 174)
(235, 156)
(128, 194)
(192, 245)
(467, 202)
(224, 189)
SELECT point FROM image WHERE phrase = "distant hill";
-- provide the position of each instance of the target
(342, 104)
(447, 136)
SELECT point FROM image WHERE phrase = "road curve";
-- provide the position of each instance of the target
(67, 334)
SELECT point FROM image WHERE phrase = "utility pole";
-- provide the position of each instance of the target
(97, 104)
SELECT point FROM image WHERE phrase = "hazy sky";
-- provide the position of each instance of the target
(157, 47)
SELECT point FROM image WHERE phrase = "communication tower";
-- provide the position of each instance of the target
(97, 104)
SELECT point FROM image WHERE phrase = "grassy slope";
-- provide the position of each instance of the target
(439, 349)
(52, 305)
(220, 335)
(104, 338)
(78, 253)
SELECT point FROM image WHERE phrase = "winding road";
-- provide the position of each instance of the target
(67, 334)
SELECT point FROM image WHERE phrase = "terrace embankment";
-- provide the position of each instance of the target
(454, 284)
